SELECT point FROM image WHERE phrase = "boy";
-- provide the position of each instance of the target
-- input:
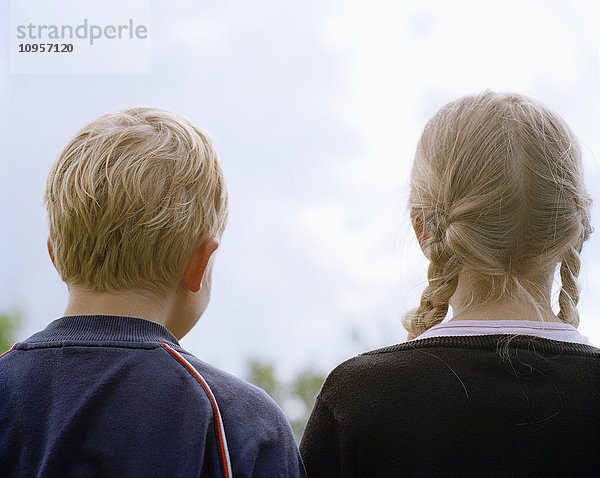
(136, 205)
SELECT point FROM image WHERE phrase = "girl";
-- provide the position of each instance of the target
(506, 387)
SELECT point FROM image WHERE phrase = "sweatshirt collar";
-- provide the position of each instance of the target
(106, 328)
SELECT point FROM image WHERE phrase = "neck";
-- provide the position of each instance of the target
(509, 310)
(515, 308)
(128, 303)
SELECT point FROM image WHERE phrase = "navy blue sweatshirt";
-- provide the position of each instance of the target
(117, 396)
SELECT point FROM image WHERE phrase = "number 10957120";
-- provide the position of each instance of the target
(45, 47)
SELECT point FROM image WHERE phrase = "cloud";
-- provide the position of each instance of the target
(315, 109)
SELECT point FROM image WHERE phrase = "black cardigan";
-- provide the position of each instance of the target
(484, 406)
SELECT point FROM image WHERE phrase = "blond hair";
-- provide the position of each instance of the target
(497, 185)
(129, 199)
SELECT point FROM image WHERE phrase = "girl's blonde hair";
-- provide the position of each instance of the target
(497, 186)
(129, 199)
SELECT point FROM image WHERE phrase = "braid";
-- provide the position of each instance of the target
(569, 293)
(442, 275)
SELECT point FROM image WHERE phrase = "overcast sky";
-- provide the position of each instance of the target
(315, 108)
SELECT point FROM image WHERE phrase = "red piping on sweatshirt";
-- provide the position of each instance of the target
(220, 429)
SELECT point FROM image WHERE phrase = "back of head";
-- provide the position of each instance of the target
(129, 199)
(497, 184)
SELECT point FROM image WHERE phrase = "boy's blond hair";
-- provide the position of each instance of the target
(497, 184)
(130, 198)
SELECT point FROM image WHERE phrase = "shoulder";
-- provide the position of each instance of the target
(410, 372)
(415, 370)
(229, 389)
(433, 351)
(376, 365)
(237, 400)
(259, 435)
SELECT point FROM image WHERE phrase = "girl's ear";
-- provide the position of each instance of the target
(51, 252)
(417, 223)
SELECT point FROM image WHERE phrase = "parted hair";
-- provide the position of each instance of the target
(497, 185)
(130, 197)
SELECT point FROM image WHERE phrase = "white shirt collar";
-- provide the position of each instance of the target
(548, 330)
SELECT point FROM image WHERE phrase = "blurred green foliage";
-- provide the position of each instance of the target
(9, 324)
(262, 375)
(296, 397)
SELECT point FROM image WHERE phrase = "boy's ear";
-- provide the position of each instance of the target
(51, 252)
(194, 272)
